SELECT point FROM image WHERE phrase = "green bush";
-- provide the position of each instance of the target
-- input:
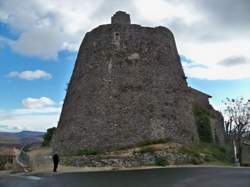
(147, 150)
(47, 137)
(202, 120)
(160, 161)
(206, 153)
(89, 152)
(196, 161)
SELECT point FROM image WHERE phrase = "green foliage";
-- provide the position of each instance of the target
(160, 161)
(147, 149)
(207, 153)
(196, 161)
(47, 137)
(202, 119)
(151, 142)
(89, 152)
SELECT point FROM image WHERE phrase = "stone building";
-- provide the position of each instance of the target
(127, 87)
(7, 157)
(216, 119)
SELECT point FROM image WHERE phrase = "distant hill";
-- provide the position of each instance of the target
(21, 138)
(30, 134)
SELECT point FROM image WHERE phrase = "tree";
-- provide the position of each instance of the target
(238, 113)
(47, 137)
(228, 128)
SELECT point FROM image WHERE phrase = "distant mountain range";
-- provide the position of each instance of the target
(21, 138)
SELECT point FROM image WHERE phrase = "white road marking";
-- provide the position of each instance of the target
(33, 177)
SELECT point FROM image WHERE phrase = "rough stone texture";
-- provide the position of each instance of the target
(128, 86)
(200, 98)
(120, 18)
(146, 159)
(245, 154)
(217, 125)
(141, 156)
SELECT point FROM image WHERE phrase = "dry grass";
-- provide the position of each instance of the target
(40, 159)
(171, 147)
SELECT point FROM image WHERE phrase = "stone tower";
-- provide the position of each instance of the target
(127, 87)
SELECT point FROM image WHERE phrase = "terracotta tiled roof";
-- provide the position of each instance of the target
(200, 92)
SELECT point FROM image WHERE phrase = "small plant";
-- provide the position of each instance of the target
(47, 137)
(151, 142)
(147, 150)
(66, 161)
(89, 152)
(202, 120)
(196, 161)
(160, 161)
(206, 153)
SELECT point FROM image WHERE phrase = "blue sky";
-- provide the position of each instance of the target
(15, 89)
(38, 50)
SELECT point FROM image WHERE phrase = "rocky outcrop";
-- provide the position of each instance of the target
(146, 159)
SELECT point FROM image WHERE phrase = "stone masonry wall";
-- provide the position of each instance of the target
(216, 119)
(128, 86)
(217, 125)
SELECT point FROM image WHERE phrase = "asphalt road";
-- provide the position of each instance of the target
(167, 177)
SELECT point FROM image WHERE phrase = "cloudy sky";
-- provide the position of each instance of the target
(39, 40)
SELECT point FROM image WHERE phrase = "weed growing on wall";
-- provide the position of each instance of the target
(202, 120)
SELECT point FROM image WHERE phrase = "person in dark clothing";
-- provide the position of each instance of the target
(55, 161)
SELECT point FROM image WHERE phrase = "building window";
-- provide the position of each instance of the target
(116, 36)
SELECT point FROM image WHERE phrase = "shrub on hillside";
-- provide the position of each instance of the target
(160, 161)
(47, 137)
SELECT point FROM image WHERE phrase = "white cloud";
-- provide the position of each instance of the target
(3, 16)
(44, 43)
(202, 29)
(31, 75)
(234, 61)
(49, 26)
(211, 54)
(43, 110)
(37, 102)
(218, 72)
(30, 122)
(158, 11)
(37, 114)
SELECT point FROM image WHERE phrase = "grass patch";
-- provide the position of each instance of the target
(152, 142)
(160, 161)
(146, 150)
(89, 152)
(206, 153)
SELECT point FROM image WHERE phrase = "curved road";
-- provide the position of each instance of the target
(165, 177)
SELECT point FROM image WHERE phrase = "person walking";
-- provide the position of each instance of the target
(55, 162)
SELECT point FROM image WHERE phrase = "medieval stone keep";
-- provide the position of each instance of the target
(127, 87)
